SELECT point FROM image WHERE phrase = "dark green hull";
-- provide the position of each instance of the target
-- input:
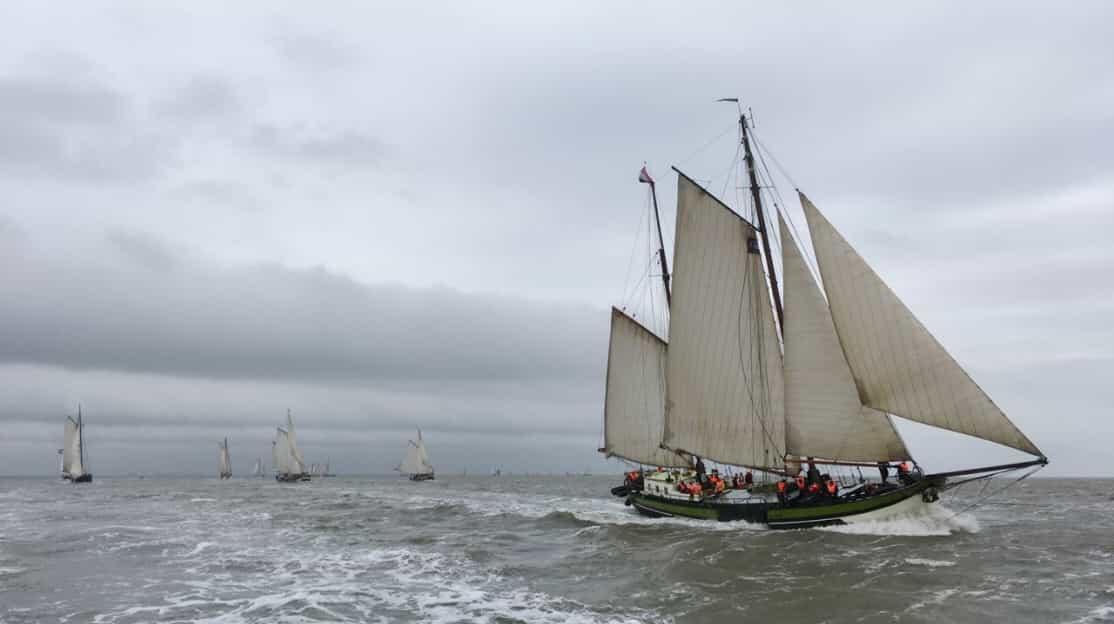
(777, 516)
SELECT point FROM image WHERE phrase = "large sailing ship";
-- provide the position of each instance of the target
(287, 460)
(765, 383)
(224, 463)
(416, 463)
(75, 466)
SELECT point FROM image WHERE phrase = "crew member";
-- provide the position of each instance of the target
(904, 472)
(814, 489)
(782, 486)
(832, 487)
(749, 479)
(813, 473)
(884, 470)
(800, 485)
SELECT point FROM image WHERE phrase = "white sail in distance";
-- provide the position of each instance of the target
(634, 404)
(417, 458)
(823, 414)
(257, 470)
(724, 395)
(71, 449)
(285, 462)
(224, 462)
(299, 464)
(899, 367)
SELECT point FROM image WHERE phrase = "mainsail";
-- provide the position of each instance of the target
(417, 458)
(298, 465)
(224, 463)
(286, 461)
(71, 449)
(724, 395)
(824, 417)
(898, 366)
(634, 407)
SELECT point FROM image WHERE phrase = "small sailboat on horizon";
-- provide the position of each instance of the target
(257, 470)
(224, 462)
(416, 463)
(75, 464)
(287, 460)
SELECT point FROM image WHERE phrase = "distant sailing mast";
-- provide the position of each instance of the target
(289, 465)
(257, 471)
(224, 463)
(74, 464)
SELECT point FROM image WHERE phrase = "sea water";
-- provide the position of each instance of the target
(537, 549)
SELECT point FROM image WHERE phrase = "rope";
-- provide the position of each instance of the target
(983, 501)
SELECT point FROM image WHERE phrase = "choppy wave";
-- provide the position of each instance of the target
(928, 521)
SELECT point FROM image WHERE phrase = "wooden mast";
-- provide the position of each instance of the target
(756, 196)
(645, 178)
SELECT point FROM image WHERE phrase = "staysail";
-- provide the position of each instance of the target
(634, 407)
(724, 394)
(71, 449)
(823, 414)
(898, 366)
(417, 458)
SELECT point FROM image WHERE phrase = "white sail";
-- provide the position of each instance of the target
(71, 449)
(899, 367)
(285, 462)
(298, 464)
(417, 458)
(823, 414)
(224, 462)
(257, 470)
(724, 396)
(634, 406)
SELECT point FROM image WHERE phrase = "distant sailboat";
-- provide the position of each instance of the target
(288, 462)
(416, 463)
(74, 464)
(257, 471)
(224, 463)
(326, 470)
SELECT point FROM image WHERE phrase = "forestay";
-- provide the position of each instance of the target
(899, 367)
(824, 417)
(724, 396)
(634, 406)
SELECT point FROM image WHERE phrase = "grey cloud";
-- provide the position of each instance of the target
(201, 98)
(37, 100)
(273, 322)
(343, 148)
(313, 52)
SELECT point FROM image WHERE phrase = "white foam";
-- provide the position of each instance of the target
(931, 563)
(1101, 615)
(929, 520)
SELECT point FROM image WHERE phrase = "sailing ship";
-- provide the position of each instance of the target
(224, 463)
(750, 379)
(75, 466)
(257, 470)
(287, 460)
(416, 463)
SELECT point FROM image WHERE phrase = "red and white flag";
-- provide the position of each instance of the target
(644, 176)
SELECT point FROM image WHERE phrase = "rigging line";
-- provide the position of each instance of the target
(756, 422)
(633, 252)
(779, 202)
(777, 163)
(709, 143)
(734, 170)
(999, 491)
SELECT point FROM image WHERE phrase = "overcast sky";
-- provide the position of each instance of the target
(384, 218)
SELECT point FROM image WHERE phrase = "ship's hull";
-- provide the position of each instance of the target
(291, 478)
(422, 477)
(85, 478)
(824, 512)
(225, 476)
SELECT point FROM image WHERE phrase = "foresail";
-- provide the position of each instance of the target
(724, 396)
(823, 414)
(899, 367)
(634, 405)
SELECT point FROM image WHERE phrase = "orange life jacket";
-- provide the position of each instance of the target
(904, 467)
(832, 487)
(800, 482)
(813, 488)
(781, 487)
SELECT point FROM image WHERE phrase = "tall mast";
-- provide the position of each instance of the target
(644, 177)
(763, 231)
(80, 437)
